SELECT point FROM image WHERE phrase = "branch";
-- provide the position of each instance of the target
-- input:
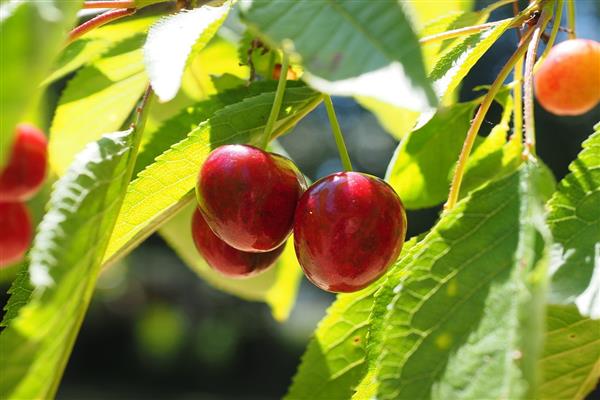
(97, 21)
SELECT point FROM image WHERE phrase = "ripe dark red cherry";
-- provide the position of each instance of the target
(15, 232)
(249, 196)
(349, 228)
(568, 82)
(224, 258)
(26, 168)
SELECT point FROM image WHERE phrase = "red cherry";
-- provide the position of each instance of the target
(224, 258)
(349, 228)
(26, 169)
(15, 234)
(568, 82)
(249, 196)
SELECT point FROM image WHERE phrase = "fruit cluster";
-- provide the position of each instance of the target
(348, 227)
(20, 179)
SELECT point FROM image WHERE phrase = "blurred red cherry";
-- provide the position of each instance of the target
(15, 232)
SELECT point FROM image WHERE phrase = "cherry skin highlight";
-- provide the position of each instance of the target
(15, 232)
(349, 228)
(225, 259)
(26, 168)
(248, 196)
(568, 82)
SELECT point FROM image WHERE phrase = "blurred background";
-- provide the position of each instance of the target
(156, 331)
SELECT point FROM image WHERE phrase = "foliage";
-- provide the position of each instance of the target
(500, 299)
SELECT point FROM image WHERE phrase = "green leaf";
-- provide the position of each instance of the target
(335, 360)
(171, 42)
(461, 316)
(277, 286)
(451, 69)
(95, 43)
(571, 360)
(346, 48)
(178, 127)
(165, 186)
(20, 291)
(97, 100)
(421, 173)
(420, 170)
(31, 33)
(574, 219)
(65, 262)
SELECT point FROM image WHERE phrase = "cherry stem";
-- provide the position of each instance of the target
(110, 4)
(528, 90)
(518, 105)
(98, 21)
(337, 134)
(571, 18)
(478, 120)
(277, 101)
(555, 28)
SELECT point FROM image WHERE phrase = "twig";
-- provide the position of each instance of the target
(110, 4)
(97, 21)
(478, 120)
(528, 83)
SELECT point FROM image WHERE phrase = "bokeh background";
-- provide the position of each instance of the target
(156, 331)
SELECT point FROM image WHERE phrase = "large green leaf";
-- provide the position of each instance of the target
(173, 39)
(574, 219)
(335, 359)
(65, 261)
(97, 100)
(95, 43)
(348, 48)
(166, 186)
(31, 33)
(461, 316)
(277, 286)
(571, 360)
(421, 173)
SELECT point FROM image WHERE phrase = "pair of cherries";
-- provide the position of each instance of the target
(20, 180)
(348, 227)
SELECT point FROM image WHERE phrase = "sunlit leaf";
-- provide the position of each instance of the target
(346, 48)
(165, 186)
(65, 260)
(574, 219)
(173, 39)
(31, 33)
(97, 100)
(461, 316)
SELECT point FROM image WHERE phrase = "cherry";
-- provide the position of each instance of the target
(349, 228)
(568, 82)
(15, 234)
(291, 74)
(26, 169)
(224, 258)
(249, 196)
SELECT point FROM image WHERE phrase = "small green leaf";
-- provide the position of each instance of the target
(335, 360)
(571, 360)
(65, 262)
(461, 315)
(173, 39)
(574, 219)
(277, 286)
(346, 48)
(98, 99)
(31, 33)
(165, 186)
